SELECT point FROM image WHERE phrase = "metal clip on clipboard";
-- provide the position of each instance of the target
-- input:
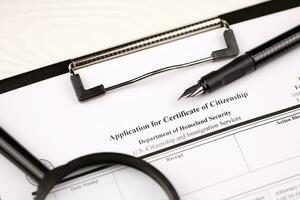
(83, 94)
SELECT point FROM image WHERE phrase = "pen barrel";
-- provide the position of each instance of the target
(21, 157)
(275, 46)
(234, 70)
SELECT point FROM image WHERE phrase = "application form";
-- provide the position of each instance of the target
(241, 142)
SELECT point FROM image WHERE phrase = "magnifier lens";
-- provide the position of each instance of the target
(137, 179)
(127, 178)
(114, 183)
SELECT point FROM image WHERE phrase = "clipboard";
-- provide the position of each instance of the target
(55, 70)
(62, 67)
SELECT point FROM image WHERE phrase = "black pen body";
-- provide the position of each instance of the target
(234, 70)
(275, 46)
(250, 61)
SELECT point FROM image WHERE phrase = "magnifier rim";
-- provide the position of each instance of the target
(56, 175)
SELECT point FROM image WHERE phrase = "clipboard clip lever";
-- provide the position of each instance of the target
(83, 94)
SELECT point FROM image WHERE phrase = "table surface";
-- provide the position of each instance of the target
(36, 33)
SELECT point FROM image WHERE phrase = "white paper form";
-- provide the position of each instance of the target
(240, 142)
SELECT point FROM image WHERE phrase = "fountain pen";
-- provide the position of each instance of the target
(244, 64)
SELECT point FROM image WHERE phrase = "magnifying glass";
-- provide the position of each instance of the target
(48, 179)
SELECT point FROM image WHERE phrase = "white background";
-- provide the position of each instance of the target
(36, 33)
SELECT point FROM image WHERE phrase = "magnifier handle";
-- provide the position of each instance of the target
(21, 157)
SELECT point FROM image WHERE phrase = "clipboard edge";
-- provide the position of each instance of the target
(59, 68)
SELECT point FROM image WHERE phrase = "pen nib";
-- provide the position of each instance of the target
(192, 91)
